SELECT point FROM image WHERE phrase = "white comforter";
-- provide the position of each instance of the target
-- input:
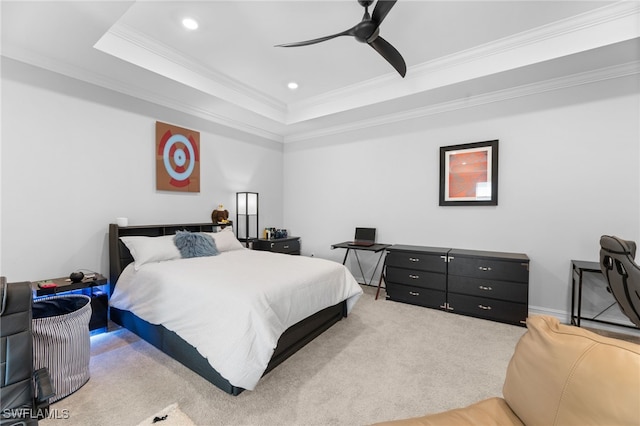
(233, 307)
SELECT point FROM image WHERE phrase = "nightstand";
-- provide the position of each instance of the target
(89, 286)
(289, 245)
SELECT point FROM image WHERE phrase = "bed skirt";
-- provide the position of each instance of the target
(292, 340)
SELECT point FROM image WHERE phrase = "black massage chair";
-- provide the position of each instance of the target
(622, 273)
(24, 394)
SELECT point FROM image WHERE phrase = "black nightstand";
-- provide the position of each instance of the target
(289, 245)
(88, 286)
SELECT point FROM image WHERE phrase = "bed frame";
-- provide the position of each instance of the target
(293, 339)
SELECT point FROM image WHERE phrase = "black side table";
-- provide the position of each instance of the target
(89, 286)
(578, 269)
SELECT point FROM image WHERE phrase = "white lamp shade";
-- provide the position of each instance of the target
(252, 203)
(247, 207)
(242, 202)
(247, 203)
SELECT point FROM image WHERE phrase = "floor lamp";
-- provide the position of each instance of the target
(247, 216)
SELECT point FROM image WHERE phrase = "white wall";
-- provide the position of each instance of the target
(568, 173)
(75, 157)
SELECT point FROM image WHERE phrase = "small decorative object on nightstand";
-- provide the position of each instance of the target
(220, 215)
(89, 285)
(289, 245)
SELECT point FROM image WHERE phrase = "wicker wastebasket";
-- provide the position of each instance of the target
(61, 341)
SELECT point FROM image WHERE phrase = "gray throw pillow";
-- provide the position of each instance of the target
(195, 244)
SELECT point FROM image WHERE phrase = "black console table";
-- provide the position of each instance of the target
(376, 248)
(578, 270)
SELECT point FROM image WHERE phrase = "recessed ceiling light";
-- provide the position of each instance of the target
(190, 23)
(292, 85)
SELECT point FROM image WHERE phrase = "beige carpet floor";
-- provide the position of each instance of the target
(169, 416)
(386, 360)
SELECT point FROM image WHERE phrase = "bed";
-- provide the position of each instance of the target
(185, 307)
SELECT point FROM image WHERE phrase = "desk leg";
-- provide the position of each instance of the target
(380, 283)
(360, 266)
(376, 268)
(373, 274)
(344, 261)
(579, 297)
(573, 294)
(355, 251)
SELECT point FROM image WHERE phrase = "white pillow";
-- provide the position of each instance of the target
(226, 240)
(151, 249)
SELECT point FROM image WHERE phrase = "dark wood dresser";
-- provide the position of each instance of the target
(483, 284)
(490, 285)
(289, 245)
(417, 275)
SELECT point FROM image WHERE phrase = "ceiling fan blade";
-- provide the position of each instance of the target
(390, 54)
(349, 32)
(381, 10)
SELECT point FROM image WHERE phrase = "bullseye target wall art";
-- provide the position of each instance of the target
(177, 158)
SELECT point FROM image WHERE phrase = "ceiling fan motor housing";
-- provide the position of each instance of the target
(366, 31)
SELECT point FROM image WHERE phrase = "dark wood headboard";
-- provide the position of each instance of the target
(119, 255)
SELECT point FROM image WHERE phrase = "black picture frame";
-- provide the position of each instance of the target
(469, 174)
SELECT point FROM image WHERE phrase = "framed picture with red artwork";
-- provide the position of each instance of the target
(469, 174)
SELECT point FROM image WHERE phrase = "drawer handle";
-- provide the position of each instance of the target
(273, 245)
(483, 287)
(414, 293)
(414, 259)
(286, 247)
(414, 277)
(486, 308)
(484, 268)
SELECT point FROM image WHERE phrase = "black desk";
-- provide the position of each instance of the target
(578, 269)
(376, 248)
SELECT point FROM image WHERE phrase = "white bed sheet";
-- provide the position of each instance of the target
(244, 298)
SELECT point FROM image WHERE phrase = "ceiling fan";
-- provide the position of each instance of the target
(367, 31)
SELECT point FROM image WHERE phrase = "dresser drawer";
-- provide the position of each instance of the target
(504, 290)
(416, 278)
(489, 269)
(497, 310)
(416, 295)
(288, 246)
(417, 261)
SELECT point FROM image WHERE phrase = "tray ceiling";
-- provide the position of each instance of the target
(228, 70)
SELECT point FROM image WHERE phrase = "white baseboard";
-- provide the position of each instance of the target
(565, 318)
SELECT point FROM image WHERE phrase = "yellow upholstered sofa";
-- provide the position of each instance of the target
(558, 375)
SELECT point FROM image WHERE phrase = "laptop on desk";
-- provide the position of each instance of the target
(365, 237)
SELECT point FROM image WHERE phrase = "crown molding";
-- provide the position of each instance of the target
(606, 25)
(458, 104)
(560, 83)
(100, 80)
(130, 45)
